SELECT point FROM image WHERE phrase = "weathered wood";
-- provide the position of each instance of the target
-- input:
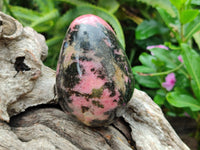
(65, 126)
(148, 124)
(141, 125)
(35, 137)
(24, 80)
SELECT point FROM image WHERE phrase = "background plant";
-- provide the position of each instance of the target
(182, 36)
(138, 24)
(52, 18)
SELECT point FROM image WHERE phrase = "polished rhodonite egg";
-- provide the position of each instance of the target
(93, 76)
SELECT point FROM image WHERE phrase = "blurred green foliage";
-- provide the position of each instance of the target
(181, 57)
(52, 18)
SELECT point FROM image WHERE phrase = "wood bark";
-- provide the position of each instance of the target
(30, 117)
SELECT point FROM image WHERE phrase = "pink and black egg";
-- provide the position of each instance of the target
(93, 77)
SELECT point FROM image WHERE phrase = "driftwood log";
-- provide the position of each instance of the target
(31, 119)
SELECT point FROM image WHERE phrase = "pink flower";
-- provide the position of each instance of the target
(180, 58)
(157, 46)
(169, 82)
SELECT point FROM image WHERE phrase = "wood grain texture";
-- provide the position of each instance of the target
(148, 124)
(24, 80)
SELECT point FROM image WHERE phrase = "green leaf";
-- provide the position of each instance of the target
(47, 17)
(195, 89)
(146, 60)
(178, 3)
(181, 90)
(165, 56)
(137, 86)
(191, 60)
(159, 64)
(90, 9)
(111, 5)
(183, 100)
(74, 2)
(160, 97)
(172, 22)
(54, 40)
(164, 4)
(188, 15)
(146, 81)
(43, 27)
(45, 6)
(196, 37)
(154, 40)
(25, 16)
(182, 80)
(149, 28)
(191, 28)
